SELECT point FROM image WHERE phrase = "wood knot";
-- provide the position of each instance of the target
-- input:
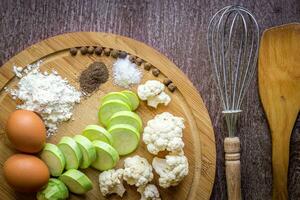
(282, 98)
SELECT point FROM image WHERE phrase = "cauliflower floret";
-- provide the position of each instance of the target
(137, 171)
(164, 132)
(150, 89)
(161, 98)
(171, 170)
(111, 182)
(149, 192)
(153, 92)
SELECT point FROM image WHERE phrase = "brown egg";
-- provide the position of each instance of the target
(25, 173)
(26, 131)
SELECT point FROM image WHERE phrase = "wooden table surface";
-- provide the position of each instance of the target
(178, 30)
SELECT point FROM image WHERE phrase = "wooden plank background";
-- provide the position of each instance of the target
(178, 30)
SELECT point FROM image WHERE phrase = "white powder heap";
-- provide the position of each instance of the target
(45, 93)
(126, 73)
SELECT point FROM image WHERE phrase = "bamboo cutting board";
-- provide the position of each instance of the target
(279, 88)
(186, 102)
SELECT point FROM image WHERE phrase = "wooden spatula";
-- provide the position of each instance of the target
(279, 88)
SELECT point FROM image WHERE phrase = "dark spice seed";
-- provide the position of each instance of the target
(106, 51)
(98, 50)
(91, 78)
(73, 51)
(172, 87)
(138, 61)
(91, 50)
(155, 72)
(132, 58)
(147, 66)
(122, 54)
(114, 53)
(83, 50)
(167, 82)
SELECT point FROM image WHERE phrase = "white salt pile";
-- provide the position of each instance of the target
(126, 73)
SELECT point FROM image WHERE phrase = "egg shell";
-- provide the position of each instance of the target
(26, 131)
(25, 173)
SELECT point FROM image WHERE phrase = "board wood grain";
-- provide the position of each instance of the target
(186, 102)
(279, 88)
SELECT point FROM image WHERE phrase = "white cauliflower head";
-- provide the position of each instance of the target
(161, 98)
(171, 170)
(164, 132)
(111, 182)
(150, 89)
(137, 171)
(149, 192)
(153, 92)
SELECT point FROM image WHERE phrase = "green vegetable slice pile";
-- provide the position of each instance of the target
(96, 147)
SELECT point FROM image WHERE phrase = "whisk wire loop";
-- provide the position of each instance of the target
(233, 38)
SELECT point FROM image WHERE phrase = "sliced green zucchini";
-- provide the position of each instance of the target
(108, 108)
(54, 159)
(134, 100)
(107, 156)
(76, 181)
(87, 149)
(126, 117)
(71, 152)
(95, 132)
(116, 96)
(126, 138)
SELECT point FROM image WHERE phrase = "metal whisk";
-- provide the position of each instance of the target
(233, 39)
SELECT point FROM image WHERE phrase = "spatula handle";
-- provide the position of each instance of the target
(233, 167)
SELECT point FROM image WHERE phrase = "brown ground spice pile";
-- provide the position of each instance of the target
(91, 78)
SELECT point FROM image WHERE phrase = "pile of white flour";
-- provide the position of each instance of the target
(45, 93)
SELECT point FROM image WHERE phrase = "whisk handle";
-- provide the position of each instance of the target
(233, 167)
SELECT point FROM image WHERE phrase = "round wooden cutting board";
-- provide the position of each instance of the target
(186, 102)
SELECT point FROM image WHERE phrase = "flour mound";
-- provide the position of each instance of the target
(45, 93)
